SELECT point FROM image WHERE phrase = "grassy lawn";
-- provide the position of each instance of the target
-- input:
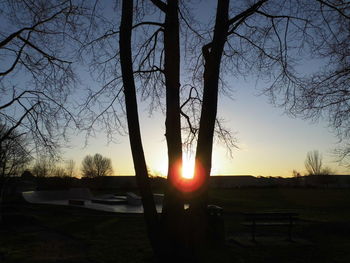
(321, 235)
(43, 233)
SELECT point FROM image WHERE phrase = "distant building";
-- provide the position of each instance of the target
(228, 181)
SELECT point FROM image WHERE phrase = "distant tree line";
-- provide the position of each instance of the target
(46, 167)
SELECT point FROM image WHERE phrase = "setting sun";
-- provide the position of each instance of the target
(187, 168)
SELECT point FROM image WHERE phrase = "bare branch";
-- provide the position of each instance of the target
(333, 7)
(160, 4)
(17, 33)
(148, 23)
(49, 57)
(247, 12)
(18, 123)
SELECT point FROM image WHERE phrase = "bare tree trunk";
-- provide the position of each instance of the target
(173, 211)
(212, 53)
(172, 122)
(150, 213)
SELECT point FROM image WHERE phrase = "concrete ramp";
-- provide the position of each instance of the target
(84, 196)
(57, 195)
(80, 193)
(133, 199)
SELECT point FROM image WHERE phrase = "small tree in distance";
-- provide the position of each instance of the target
(95, 166)
(313, 162)
(322, 176)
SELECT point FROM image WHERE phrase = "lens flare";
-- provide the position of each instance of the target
(187, 168)
(191, 184)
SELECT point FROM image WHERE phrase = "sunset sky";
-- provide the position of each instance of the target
(270, 142)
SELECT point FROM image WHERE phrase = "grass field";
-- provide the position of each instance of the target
(43, 233)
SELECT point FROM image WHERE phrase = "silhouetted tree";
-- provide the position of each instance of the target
(36, 73)
(95, 166)
(325, 92)
(319, 174)
(44, 166)
(14, 155)
(140, 166)
(253, 37)
(313, 163)
(173, 212)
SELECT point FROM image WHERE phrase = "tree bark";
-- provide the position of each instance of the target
(150, 213)
(212, 54)
(173, 211)
(172, 122)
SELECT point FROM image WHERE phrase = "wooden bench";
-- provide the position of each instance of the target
(270, 219)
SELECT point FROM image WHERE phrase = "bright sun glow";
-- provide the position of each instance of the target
(187, 168)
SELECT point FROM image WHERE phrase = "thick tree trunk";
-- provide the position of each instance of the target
(212, 54)
(150, 213)
(172, 122)
(173, 211)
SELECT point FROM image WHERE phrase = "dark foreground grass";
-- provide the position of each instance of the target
(321, 235)
(43, 233)
(40, 233)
